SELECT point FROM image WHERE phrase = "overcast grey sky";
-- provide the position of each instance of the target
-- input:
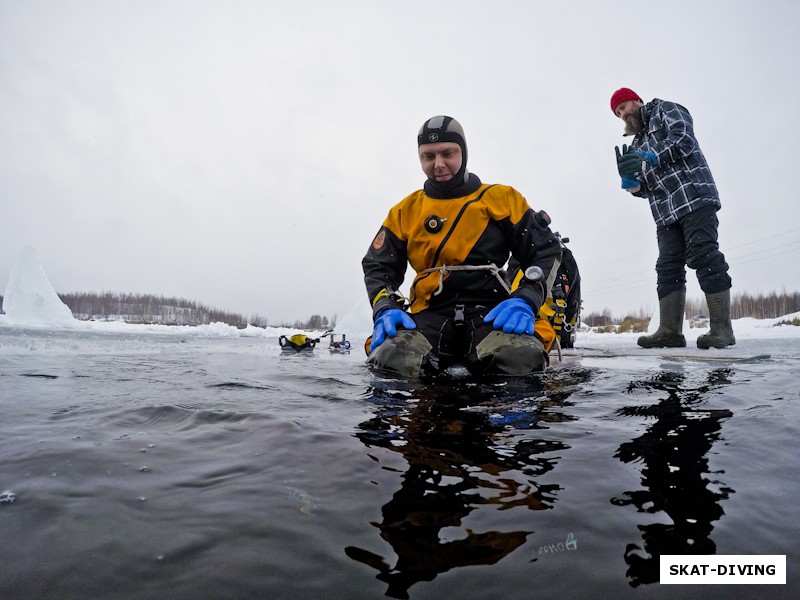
(243, 154)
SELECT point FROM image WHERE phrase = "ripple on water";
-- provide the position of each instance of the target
(236, 385)
(175, 417)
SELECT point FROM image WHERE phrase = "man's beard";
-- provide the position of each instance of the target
(634, 123)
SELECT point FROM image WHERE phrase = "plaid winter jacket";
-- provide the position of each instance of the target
(682, 181)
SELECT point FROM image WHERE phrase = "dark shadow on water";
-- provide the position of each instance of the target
(469, 446)
(675, 476)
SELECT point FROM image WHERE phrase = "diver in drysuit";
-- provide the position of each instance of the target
(457, 233)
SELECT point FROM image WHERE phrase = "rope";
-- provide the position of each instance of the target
(447, 268)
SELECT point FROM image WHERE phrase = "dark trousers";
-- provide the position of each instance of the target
(454, 335)
(692, 242)
(458, 336)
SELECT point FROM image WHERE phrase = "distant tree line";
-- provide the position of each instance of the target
(763, 306)
(146, 308)
(149, 309)
(743, 304)
(599, 319)
(313, 322)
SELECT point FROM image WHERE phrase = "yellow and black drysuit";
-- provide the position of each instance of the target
(457, 246)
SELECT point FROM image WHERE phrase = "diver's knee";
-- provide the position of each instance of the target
(512, 354)
(402, 354)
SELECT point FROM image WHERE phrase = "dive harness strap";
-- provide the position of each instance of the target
(448, 268)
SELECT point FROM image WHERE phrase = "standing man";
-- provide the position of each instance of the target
(664, 164)
(457, 234)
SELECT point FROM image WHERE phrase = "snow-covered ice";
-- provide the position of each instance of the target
(30, 301)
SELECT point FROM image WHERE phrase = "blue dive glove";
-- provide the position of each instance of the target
(512, 316)
(386, 324)
(630, 162)
(628, 183)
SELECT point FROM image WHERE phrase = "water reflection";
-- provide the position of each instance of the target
(675, 473)
(468, 447)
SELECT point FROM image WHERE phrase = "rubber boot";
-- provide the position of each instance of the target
(670, 325)
(721, 332)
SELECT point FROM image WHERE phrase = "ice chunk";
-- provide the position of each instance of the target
(30, 298)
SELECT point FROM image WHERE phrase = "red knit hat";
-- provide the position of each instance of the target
(623, 95)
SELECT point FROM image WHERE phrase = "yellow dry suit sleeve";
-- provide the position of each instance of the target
(385, 264)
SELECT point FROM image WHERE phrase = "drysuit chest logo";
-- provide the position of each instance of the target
(434, 224)
(377, 243)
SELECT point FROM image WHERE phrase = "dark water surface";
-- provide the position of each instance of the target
(146, 466)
